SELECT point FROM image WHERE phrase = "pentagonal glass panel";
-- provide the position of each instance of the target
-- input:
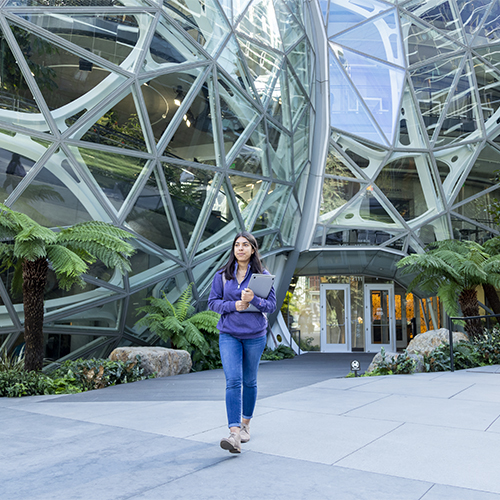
(114, 173)
(298, 100)
(164, 95)
(337, 165)
(144, 260)
(465, 231)
(488, 85)
(280, 152)
(58, 197)
(252, 156)
(484, 173)
(263, 64)
(379, 85)
(16, 160)
(483, 209)
(102, 317)
(300, 59)
(379, 38)
(462, 119)
(423, 43)
(190, 189)
(237, 113)
(148, 216)
(336, 193)
(273, 208)
(409, 132)
(231, 60)
(112, 37)
(301, 140)
(347, 110)
(16, 97)
(290, 224)
(290, 29)
(436, 230)
(432, 84)
(194, 138)
(490, 30)
(259, 23)
(169, 48)
(279, 104)
(472, 13)
(201, 19)
(441, 14)
(62, 76)
(408, 184)
(345, 15)
(249, 194)
(119, 126)
(301, 185)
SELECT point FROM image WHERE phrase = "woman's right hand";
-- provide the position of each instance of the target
(241, 305)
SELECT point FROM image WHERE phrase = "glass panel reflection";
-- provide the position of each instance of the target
(465, 231)
(252, 157)
(335, 317)
(483, 209)
(280, 152)
(273, 208)
(149, 218)
(115, 173)
(336, 193)
(290, 224)
(164, 95)
(379, 313)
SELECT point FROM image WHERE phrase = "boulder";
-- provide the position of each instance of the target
(424, 343)
(419, 365)
(160, 360)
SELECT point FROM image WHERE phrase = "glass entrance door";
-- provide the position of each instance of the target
(379, 318)
(335, 318)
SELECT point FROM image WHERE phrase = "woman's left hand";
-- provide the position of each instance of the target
(247, 295)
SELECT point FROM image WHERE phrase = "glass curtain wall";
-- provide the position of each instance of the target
(181, 122)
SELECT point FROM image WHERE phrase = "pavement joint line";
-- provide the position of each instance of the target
(428, 491)
(465, 389)
(485, 430)
(367, 444)
(222, 460)
(366, 404)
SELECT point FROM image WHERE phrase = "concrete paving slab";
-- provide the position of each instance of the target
(431, 411)
(455, 457)
(441, 492)
(253, 476)
(315, 437)
(414, 385)
(479, 392)
(320, 400)
(495, 426)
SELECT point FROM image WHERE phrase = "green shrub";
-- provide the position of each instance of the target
(12, 362)
(15, 384)
(402, 364)
(281, 352)
(95, 373)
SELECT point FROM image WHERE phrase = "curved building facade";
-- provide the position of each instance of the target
(345, 134)
(182, 121)
(414, 96)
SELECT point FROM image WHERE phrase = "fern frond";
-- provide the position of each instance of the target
(29, 250)
(67, 265)
(183, 306)
(195, 337)
(206, 321)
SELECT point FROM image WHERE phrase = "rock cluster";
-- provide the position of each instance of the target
(424, 343)
(156, 360)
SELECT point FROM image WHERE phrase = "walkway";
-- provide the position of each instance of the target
(314, 436)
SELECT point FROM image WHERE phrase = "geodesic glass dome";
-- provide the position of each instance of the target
(182, 121)
(414, 108)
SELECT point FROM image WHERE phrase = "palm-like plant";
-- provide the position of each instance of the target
(178, 324)
(31, 249)
(454, 269)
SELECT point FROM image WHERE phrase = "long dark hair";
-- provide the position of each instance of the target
(256, 265)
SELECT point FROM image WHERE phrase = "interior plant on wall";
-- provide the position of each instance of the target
(31, 249)
(179, 325)
(454, 269)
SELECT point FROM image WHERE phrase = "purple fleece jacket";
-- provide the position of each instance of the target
(242, 325)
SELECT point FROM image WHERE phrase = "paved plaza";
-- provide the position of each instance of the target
(315, 435)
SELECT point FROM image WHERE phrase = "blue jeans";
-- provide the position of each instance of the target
(240, 360)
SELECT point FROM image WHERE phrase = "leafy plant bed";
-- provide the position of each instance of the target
(69, 378)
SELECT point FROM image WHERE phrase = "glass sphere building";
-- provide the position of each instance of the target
(343, 134)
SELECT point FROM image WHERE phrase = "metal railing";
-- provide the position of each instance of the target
(465, 318)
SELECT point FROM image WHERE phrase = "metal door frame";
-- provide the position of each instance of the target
(346, 347)
(369, 347)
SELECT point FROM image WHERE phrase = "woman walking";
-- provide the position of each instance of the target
(242, 334)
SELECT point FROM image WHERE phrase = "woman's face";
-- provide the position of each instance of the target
(242, 250)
